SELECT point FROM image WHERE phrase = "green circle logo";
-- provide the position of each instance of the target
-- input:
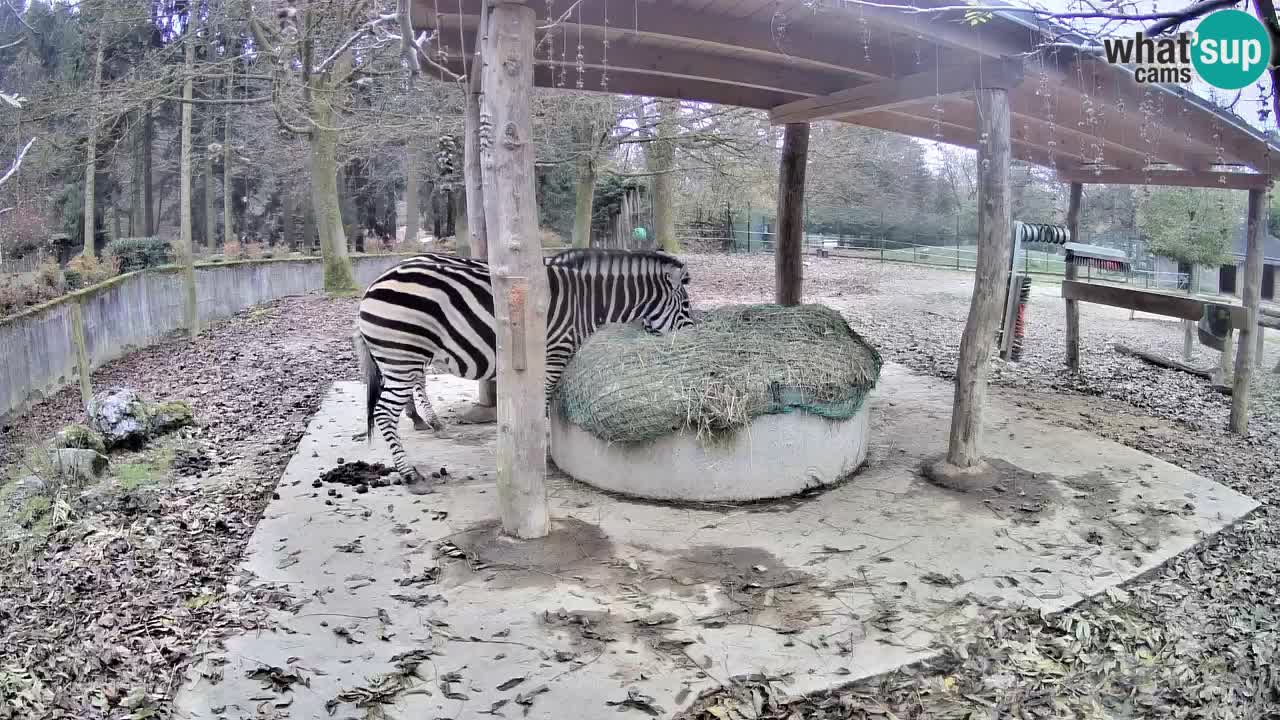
(1232, 49)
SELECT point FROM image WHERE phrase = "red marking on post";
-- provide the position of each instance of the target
(516, 295)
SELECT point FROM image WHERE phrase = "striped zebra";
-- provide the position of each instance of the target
(439, 308)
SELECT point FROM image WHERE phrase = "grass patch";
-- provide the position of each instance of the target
(147, 468)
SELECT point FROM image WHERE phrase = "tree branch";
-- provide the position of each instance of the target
(17, 163)
(1191, 12)
(1267, 12)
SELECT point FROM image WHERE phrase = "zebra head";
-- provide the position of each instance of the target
(673, 310)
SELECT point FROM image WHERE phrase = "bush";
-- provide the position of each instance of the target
(140, 253)
(20, 291)
(84, 271)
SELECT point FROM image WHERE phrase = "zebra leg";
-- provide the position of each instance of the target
(432, 421)
(386, 415)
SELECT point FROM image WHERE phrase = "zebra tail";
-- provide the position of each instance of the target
(372, 380)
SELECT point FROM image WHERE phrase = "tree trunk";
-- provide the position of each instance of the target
(788, 252)
(136, 219)
(1251, 297)
(1073, 307)
(91, 157)
(210, 215)
(228, 217)
(288, 222)
(662, 162)
(186, 244)
(586, 190)
(461, 226)
(521, 294)
(324, 186)
(413, 216)
(1189, 326)
(994, 245)
(148, 199)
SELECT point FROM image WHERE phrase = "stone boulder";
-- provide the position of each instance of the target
(78, 464)
(169, 416)
(80, 437)
(121, 417)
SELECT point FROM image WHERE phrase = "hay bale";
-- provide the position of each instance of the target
(741, 362)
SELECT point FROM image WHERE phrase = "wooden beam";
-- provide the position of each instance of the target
(788, 261)
(1073, 307)
(1107, 86)
(521, 295)
(626, 17)
(954, 133)
(1178, 178)
(896, 92)
(1183, 307)
(628, 53)
(964, 450)
(1251, 296)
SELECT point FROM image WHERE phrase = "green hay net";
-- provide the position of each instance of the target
(740, 362)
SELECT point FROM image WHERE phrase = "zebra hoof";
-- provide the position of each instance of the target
(422, 426)
(417, 484)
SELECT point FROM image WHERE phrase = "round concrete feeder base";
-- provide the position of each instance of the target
(774, 456)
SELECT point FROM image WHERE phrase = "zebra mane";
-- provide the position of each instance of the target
(578, 258)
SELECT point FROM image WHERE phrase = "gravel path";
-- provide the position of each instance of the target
(126, 589)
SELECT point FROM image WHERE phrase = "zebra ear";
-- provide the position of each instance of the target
(675, 276)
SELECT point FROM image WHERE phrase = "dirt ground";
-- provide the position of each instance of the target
(103, 602)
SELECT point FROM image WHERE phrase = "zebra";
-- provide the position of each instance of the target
(440, 307)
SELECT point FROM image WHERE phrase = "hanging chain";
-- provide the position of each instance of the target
(604, 58)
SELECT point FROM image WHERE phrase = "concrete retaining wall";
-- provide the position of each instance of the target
(38, 353)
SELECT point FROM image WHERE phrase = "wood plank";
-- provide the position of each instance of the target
(1178, 178)
(521, 294)
(964, 449)
(1251, 296)
(1183, 307)
(788, 260)
(1073, 307)
(896, 92)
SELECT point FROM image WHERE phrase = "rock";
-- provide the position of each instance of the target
(169, 416)
(78, 464)
(120, 416)
(81, 437)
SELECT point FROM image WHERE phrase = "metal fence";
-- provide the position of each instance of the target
(1032, 262)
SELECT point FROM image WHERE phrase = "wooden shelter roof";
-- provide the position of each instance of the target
(885, 66)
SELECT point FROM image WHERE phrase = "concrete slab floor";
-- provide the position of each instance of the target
(669, 601)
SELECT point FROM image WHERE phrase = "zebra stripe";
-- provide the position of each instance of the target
(440, 308)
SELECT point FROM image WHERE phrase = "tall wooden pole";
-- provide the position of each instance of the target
(1073, 307)
(1251, 296)
(789, 250)
(963, 467)
(485, 410)
(521, 295)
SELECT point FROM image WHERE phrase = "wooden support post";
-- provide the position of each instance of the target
(485, 409)
(789, 250)
(963, 468)
(521, 294)
(1251, 295)
(1073, 307)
